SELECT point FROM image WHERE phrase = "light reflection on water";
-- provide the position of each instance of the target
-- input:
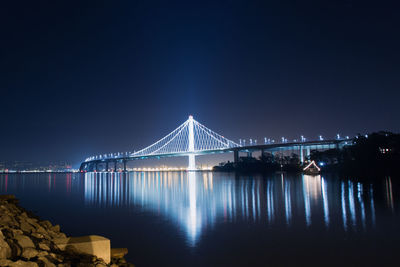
(196, 201)
(205, 217)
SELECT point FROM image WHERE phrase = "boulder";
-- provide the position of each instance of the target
(26, 227)
(5, 250)
(118, 252)
(37, 235)
(16, 232)
(24, 241)
(42, 253)
(29, 253)
(21, 263)
(16, 250)
(41, 230)
(55, 228)
(56, 257)
(46, 224)
(6, 219)
(45, 262)
(44, 246)
(5, 262)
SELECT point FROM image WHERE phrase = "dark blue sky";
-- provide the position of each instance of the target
(78, 79)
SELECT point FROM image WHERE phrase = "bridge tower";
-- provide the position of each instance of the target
(192, 159)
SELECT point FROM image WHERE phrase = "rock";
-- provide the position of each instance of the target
(5, 262)
(16, 250)
(24, 241)
(46, 224)
(62, 235)
(55, 228)
(41, 230)
(29, 253)
(46, 262)
(118, 252)
(31, 220)
(16, 232)
(24, 264)
(34, 224)
(42, 253)
(32, 242)
(53, 234)
(56, 257)
(7, 220)
(5, 250)
(44, 246)
(37, 235)
(26, 227)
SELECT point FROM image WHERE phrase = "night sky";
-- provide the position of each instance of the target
(78, 79)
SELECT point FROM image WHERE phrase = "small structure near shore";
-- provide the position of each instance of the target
(312, 169)
(25, 240)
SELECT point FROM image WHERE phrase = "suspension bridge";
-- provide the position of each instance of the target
(192, 138)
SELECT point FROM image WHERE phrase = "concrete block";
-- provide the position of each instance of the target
(92, 244)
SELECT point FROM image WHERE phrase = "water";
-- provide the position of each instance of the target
(220, 219)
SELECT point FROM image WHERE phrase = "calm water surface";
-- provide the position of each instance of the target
(220, 219)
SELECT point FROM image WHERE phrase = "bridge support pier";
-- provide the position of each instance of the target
(192, 159)
(96, 165)
(192, 163)
(115, 166)
(235, 156)
(301, 155)
(124, 165)
(249, 154)
(106, 166)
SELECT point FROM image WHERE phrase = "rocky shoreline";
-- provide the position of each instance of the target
(26, 240)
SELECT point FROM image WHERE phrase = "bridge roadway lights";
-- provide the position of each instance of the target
(91, 164)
